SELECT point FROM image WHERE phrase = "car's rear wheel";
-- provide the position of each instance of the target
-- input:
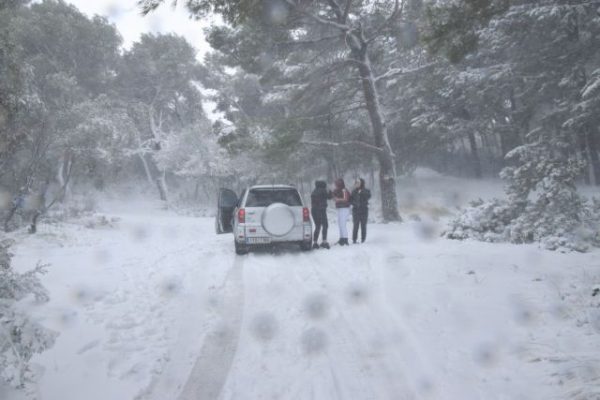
(305, 246)
(240, 249)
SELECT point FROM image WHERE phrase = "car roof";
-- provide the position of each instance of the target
(272, 187)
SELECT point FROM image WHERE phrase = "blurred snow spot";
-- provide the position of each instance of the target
(559, 311)
(102, 256)
(171, 232)
(408, 34)
(66, 318)
(170, 287)
(523, 313)
(155, 23)
(276, 12)
(223, 333)
(313, 341)
(113, 11)
(263, 327)
(427, 230)
(33, 202)
(414, 217)
(316, 306)
(425, 386)
(140, 233)
(486, 355)
(453, 199)
(409, 200)
(533, 257)
(266, 60)
(409, 310)
(84, 295)
(357, 293)
(213, 301)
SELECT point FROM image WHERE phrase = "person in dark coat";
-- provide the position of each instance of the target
(318, 204)
(360, 210)
(341, 196)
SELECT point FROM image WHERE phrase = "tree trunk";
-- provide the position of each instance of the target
(585, 155)
(34, 222)
(161, 183)
(593, 142)
(475, 160)
(146, 168)
(385, 157)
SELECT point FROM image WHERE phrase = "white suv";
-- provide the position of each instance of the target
(263, 215)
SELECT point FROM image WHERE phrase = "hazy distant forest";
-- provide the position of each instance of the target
(303, 90)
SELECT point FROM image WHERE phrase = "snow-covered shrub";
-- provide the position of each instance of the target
(20, 337)
(542, 203)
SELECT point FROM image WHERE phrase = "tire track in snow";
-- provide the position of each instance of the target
(210, 371)
(356, 325)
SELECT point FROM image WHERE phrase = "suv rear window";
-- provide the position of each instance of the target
(266, 197)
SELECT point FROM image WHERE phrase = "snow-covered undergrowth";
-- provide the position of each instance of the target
(21, 337)
(542, 203)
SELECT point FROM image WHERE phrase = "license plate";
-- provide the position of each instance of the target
(259, 240)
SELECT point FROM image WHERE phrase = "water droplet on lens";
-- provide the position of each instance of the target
(357, 294)
(264, 327)
(316, 306)
(486, 355)
(313, 341)
(170, 287)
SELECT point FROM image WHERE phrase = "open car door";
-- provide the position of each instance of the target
(226, 204)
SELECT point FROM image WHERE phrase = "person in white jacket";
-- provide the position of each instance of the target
(341, 196)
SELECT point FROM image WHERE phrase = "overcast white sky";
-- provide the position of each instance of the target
(131, 24)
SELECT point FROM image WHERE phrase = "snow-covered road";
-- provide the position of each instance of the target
(151, 305)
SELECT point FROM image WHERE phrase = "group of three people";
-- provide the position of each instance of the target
(344, 201)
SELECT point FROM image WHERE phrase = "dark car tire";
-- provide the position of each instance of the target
(240, 249)
(306, 246)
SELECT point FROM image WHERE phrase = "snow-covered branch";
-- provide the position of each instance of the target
(394, 72)
(321, 20)
(351, 143)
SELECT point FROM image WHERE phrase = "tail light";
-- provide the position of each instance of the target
(305, 215)
(241, 216)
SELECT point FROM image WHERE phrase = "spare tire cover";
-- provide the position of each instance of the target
(278, 219)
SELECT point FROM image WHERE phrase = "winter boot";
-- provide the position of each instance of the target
(315, 245)
(325, 245)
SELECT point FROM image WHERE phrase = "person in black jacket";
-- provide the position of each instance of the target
(360, 209)
(318, 204)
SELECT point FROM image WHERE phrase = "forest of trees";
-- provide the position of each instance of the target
(303, 90)
(77, 110)
(467, 87)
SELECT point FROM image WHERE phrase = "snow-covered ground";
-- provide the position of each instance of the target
(153, 305)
